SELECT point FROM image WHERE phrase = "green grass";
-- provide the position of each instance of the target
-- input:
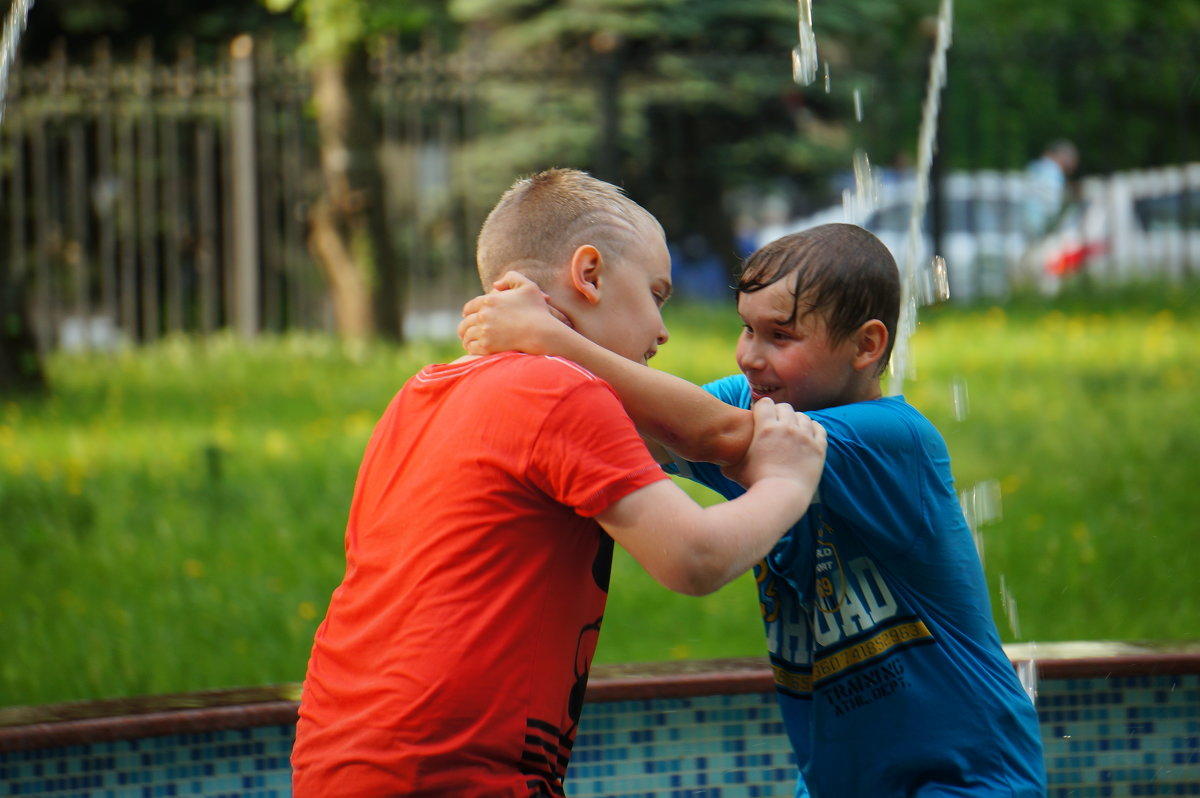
(172, 518)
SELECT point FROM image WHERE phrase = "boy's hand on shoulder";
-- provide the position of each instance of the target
(786, 445)
(515, 316)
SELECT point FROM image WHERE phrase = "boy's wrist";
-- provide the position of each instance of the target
(776, 484)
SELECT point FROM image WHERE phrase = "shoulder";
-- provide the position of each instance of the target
(887, 421)
(885, 410)
(513, 368)
(558, 383)
(532, 383)
(557, 369)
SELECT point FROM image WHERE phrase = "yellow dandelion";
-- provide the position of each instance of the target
(1022, 401)
(306, 610)
(358, 424)
(1177, 378)
(276, 444)
(1164, 318)
(223, 434)
(1054, 319)
(681, 651)
(75, 473)
(193, 568)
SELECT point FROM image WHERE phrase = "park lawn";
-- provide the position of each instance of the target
(172, 517)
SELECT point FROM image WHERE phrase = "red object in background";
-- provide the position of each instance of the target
(1074, 259)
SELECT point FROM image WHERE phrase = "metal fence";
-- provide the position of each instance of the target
(136, 200)
(143, 198)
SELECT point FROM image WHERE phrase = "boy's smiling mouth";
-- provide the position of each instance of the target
(758, 391)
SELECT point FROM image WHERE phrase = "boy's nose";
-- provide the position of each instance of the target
(749, 356)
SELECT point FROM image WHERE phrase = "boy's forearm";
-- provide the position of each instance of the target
(759, 519)
(681, 416)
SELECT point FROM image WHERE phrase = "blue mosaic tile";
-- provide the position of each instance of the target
(1128, 736)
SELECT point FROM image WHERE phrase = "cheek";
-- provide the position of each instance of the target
(739, 352)
(790, 365)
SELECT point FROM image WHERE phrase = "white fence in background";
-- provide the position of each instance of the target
(1134, 225)
(1116, 228)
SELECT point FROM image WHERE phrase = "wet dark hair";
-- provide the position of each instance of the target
(842, 271)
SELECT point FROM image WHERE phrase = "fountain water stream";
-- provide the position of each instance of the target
(901, 364)
(14, 26)
(922, 284)
(804, 56)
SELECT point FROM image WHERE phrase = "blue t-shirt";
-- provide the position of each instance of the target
(888, 666)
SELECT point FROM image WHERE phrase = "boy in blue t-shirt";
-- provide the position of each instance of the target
(888, 666)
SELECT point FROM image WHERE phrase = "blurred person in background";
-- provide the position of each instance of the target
(1046, 184)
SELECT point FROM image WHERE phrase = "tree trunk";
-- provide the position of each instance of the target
(20, 365)
(350, 234)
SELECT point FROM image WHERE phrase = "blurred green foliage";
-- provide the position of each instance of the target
(173, 516)
(1021, 73)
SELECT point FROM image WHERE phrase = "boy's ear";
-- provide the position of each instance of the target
(585, 272)
(872, 340)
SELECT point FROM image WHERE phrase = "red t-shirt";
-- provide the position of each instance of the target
(454, 654)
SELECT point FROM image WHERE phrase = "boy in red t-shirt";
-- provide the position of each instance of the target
(454, 655)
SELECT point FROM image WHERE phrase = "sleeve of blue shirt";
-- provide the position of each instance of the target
(732, 391)
(881, 459)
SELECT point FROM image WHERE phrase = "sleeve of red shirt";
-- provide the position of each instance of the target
(588, 453)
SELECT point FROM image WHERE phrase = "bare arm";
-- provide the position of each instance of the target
(695, 550)
(681, 416)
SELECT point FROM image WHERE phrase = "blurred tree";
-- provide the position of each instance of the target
(206, 24)
(350, 236)
(692, 100)
(21, 369)
(1023, 74)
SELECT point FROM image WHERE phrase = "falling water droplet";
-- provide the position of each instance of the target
(960, 399)
(859, 203)
(979, 544)
(827, 77)
(804, 54)
(857, 105)
(1010, 608)
(980, 505)
(1028, 674)
(14, 26)
(987, 501)
(907, 324)
(940, 281)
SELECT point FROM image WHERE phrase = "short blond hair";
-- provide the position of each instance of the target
(542, 219)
